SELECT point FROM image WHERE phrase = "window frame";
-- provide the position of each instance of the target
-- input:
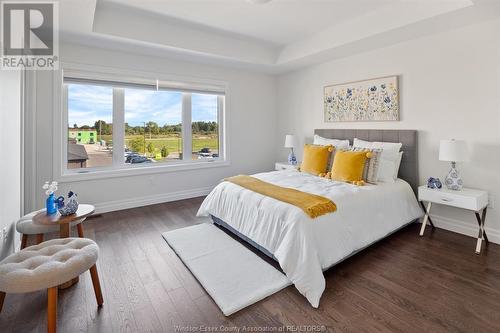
(119, 168)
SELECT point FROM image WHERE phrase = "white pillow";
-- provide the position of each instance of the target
(389, 168)
(338, 144)
(398, 164)
(386, 146)
(390, 159)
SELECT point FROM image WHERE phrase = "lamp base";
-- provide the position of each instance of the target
(453, 181)
(292, 160)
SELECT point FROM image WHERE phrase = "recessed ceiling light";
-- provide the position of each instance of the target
(258, 2)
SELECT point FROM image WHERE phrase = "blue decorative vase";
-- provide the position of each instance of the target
(70, 207)
(50, 204)
(434, 183)
(292, 160)
(453, 180)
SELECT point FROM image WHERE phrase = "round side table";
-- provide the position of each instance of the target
(64, 221)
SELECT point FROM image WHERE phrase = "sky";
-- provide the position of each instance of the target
(87, 104)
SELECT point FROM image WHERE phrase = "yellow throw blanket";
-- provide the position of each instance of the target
(312, 204)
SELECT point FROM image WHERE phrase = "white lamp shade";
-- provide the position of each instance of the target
(290, 141)
(453, 150)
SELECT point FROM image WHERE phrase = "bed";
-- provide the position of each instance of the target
(305, 247)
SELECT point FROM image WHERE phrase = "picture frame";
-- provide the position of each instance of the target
(374, 99)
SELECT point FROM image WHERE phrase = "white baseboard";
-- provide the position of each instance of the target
(464, 228)
(109, 206)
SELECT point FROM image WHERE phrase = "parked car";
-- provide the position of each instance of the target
(131, 156)
(204, 156)
(140, 159)
(205, 150)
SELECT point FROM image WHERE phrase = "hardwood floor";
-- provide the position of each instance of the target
(402, 284)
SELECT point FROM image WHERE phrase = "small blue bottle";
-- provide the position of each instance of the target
(50, 204)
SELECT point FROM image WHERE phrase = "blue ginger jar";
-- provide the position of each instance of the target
(69, 207)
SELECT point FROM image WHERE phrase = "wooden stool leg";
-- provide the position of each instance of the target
(2, 297)
(79, 227)
(97, 285)
(52, 310)
(24, 241)
(39, 238)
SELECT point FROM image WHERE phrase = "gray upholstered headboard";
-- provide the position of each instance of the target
(409, 163)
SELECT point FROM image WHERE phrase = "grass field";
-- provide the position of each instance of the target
(173, 143)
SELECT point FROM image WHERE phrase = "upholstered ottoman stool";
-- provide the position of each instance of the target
(46, 266)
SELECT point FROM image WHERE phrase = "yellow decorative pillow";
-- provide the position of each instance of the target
(348, 165)
(315, 159)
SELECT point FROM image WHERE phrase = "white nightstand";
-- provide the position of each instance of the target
(473, 200)
(285, 166)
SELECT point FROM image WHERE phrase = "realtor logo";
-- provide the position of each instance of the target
(29, 35)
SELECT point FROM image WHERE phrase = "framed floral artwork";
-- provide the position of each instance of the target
(368, 100)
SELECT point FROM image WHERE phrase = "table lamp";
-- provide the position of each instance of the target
(453, 151)
(291, 142)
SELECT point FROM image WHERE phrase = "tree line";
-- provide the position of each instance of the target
(151, 127)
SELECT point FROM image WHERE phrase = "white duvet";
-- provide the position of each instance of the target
(304, 247)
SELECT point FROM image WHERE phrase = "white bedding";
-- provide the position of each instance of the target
(304, 247)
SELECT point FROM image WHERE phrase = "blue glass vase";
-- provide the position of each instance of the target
(50, 204)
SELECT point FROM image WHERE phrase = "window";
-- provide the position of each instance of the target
(127, 124)
(153, 125)
(205, 129)
(90, 108)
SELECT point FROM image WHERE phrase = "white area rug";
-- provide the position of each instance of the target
(233, 276)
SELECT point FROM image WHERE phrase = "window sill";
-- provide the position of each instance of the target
(127, 170)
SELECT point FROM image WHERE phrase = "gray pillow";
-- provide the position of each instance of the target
(370, 170)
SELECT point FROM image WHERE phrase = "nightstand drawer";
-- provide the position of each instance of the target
(461, 200)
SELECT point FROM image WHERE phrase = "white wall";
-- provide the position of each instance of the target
(449, 87)
(251, 133)
(10, 157)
